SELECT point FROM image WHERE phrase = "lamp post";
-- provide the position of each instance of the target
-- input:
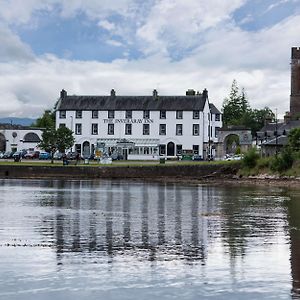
(71, 128)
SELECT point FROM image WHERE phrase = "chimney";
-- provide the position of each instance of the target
(155, 94)
(205, 94)
(190, 92)
(112, 93)
(63, 94)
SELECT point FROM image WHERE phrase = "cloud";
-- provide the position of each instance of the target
(213, 51)
(12, 48)
(109, 26)
(175, 23)
(114, 43)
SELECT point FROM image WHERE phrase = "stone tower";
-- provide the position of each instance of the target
(295, 83)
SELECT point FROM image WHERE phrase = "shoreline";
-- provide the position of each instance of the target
(213, 174)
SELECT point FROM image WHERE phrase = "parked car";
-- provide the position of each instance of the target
(32, 154)
(8, 154)
(57, 155)
(197, 157)
(116, 156)
(1, 154)
(17, 154)
(23, 152)
(71, 155)
(44, 155)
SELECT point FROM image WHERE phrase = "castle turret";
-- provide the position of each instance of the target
(295, 83)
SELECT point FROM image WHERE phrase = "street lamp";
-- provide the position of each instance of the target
(71, 128)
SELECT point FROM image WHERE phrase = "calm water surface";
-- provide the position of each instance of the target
(133, 240)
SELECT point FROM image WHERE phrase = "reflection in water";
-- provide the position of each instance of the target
(294, 225)
(193, 238)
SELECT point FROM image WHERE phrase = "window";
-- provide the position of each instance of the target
(146, 129)
(216, 131)
(162, 149)
(196, 114)
(62, 125)
(111, 114)
(111, 129)
(178, 149)
(179, 114)
(128, 114)
(62, 114)
(162, 114)
(78, 114)
(195, 129)
(78, 129)
(178, 129)
(94, 114)
(217, 117)
(128, 129)
(162, 129)
(146, 114)
(196, 149)
(95, 129)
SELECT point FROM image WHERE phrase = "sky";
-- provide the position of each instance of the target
(88, 47)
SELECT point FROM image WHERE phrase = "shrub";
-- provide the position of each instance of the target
(250, 158)
(283, 161)
(263, 163)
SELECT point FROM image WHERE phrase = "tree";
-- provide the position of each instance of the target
(53, 140)
(294, 139)
(47, 120)
(64, 138)
(237, 111)
(236, 106)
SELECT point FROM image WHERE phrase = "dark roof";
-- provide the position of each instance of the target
(281, 126)
(196, 102)
(213, 109)
(281, 141)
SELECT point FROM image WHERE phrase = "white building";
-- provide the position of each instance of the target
(141, 127)
(17, 137)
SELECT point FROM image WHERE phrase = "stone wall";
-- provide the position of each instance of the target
(120, 172)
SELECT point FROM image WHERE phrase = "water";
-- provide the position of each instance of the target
(134, 240)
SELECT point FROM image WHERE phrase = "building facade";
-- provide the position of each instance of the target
(141, 127)
(16, 137)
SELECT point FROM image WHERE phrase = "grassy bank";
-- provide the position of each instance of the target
(114, 163)
(284, 164)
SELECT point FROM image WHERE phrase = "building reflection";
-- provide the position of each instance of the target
(294, 227)
(160, 222)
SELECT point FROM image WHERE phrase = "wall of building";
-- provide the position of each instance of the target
(15, 139)
(187, 139)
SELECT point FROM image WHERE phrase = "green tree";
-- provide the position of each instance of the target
(47, 120)
(53, 140)
(64, 138)
(294, 139)
(235, 107)
(237, 111)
